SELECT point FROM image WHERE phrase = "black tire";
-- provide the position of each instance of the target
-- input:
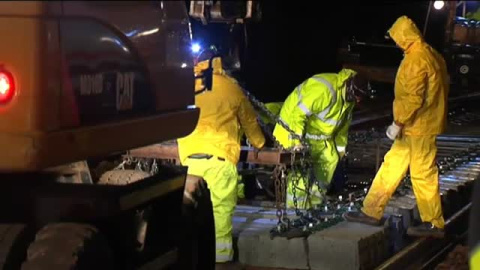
(122, 177)
(14, 240)
(68, 246)
(197, 249)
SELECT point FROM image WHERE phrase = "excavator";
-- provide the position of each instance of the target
(80, 82)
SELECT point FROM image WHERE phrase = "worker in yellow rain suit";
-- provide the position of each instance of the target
(320, 110)
(212, 150)
(419, 112)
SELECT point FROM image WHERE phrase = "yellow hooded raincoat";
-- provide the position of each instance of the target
(421, 91)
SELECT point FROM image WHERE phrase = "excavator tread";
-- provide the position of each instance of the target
(68, 246)
(13, 243)
(122, 177)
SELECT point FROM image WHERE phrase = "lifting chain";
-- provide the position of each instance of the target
(154, 168)
(126, 161)
(266, 130)
(280, 180)
(260, 105)
(140, 166)
(295, 179)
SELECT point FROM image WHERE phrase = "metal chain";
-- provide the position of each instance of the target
(277, 183)
(139, 166)
(121, 166)
(280, 179)
(283, 189)
(283, 198)
(154, 168)
(295, 180)
(260, 105)
(267, 131)
(126, 161)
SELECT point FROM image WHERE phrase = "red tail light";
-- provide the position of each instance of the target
(7, 86)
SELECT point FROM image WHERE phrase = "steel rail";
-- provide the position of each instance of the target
(401, 259)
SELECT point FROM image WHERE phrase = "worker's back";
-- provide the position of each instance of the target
(316, 108)
(224, 112)
(431, 117)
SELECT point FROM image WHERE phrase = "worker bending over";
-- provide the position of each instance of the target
(419, 112)
(319, 110)
(212, 150)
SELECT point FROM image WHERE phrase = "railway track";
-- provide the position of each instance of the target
(426, 253)
(459, 163)
(459, 157)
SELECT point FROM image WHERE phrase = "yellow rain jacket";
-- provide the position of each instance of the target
(421, 90)
(317, 110)
(420, 109)
(224, 111)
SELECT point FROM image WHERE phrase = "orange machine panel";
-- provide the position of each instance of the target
(92, 78)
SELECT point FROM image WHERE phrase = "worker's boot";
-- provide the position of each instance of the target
(361, 217)
(425, 230)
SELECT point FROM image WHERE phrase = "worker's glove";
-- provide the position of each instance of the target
(298, 148)
(393, 130)
(341, 151)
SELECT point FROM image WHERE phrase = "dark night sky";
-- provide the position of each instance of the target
(295, 41)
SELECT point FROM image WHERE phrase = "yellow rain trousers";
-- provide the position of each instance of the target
(317, 110)
(419, 153)
(473, 231)
(224, 112)
(221, 177)
(421, 91)
(240, 188)
(475, 260)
